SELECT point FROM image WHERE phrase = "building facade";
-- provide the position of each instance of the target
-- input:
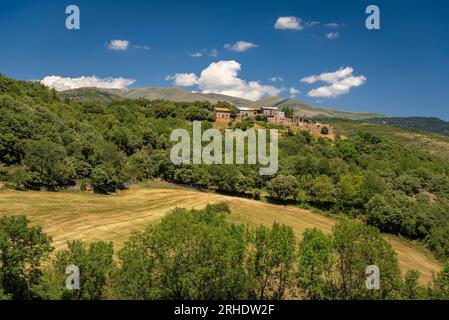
(313, 126)
(222, 114)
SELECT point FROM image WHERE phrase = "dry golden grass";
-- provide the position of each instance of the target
(90, 217)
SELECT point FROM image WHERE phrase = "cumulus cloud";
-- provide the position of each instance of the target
(288, 23)
(183, 79)
(222, 77)
(62, 83)
(332, 35)
(293, 92)
(337, 83)
(118, 45)
(240, 46)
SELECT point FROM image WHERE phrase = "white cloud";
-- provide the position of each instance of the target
(118, 45)
(332, 35)
(240, 46)
(338, 83)
(222, 77)
(124, 45)
(276, 79)
(62, 83)
(293, 92)
(288, 23)
(183, 79)
(204, 52)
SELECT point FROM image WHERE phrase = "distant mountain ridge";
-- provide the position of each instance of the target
(181, 95)
(429, 124)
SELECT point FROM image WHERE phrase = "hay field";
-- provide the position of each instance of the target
(91, 217)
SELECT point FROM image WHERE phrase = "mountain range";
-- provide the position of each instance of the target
(179, 94)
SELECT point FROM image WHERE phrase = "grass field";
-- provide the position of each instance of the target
(91, 217)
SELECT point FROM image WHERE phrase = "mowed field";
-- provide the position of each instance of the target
(91, 217)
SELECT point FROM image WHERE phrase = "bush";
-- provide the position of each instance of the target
(283, 187)
(22, 250)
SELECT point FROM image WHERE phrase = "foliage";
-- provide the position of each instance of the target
(272, 260)
(197, 254)
(282, 187)
(51, 143)
(22, 250)
(315, 264)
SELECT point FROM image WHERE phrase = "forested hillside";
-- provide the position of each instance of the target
(428, 124)
(49, 143)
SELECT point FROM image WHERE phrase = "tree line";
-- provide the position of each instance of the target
(197, 254)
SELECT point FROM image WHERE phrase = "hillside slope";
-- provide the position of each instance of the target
(428, 124)
(181, 95)
(220, 97)
(312, 111)
(91, 217)
(91, 94)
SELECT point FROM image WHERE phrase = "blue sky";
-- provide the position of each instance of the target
(402, 69)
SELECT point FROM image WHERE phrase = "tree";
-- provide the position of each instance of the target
(199, 114)
(95, 264)
(22, 250)
(351, 191)
(11, 149)
(440, 288)
(323, 192)
(347, 150)
(48, 165)
(315, 264)
(396, 213)
(437, 240)
(283, 187)
(189, 255)
(190, 175)
(358, 246)
(411, 290)
(289, 112)
(407, 183)
(272, 260)
(104, 179)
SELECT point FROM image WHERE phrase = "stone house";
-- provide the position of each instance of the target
(222, 114)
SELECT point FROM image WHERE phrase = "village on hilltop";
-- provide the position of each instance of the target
(274, 115)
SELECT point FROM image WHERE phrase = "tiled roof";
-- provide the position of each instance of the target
(222, 110)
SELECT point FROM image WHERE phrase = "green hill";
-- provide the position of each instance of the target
(429, 124)
(91, 94)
